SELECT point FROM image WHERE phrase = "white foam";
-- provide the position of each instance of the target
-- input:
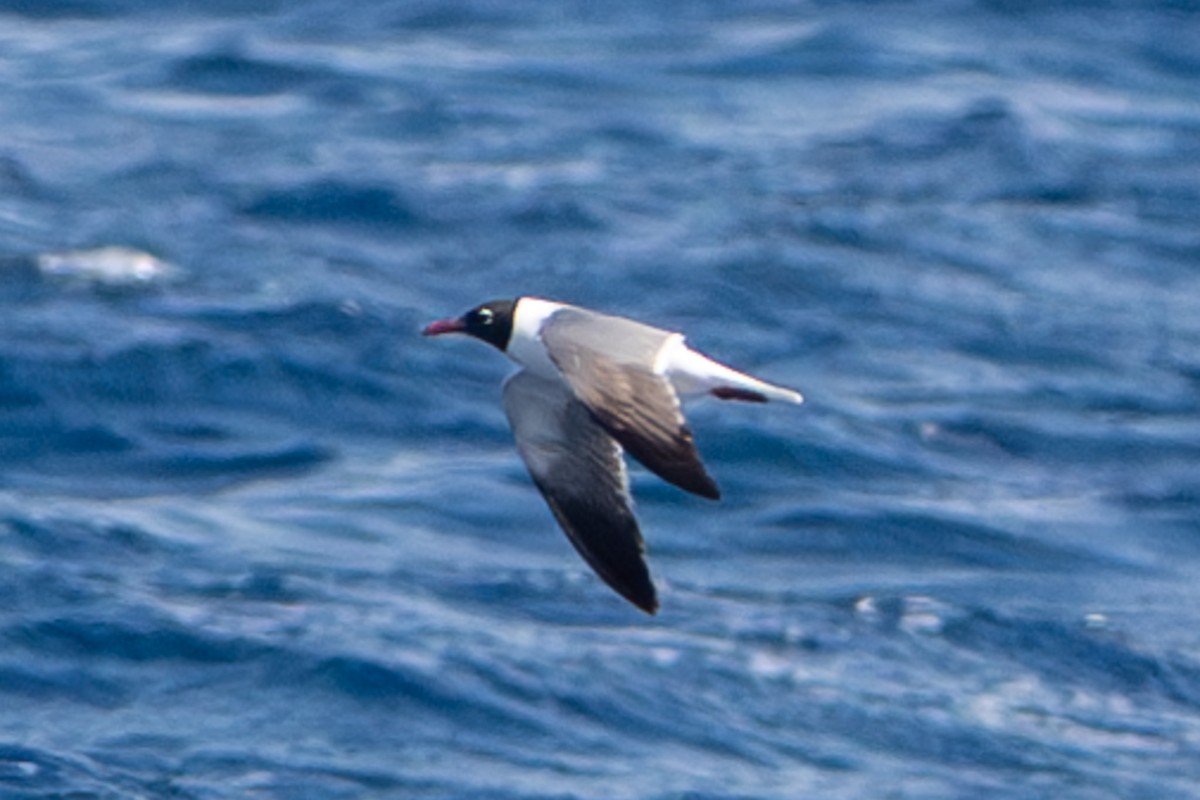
(112, 265)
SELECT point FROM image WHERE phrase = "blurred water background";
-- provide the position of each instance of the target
(260, 539)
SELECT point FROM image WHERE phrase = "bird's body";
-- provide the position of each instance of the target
(689, 373)
(590, 386)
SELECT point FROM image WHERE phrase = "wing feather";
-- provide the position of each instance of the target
(579, 470)
(609, 364)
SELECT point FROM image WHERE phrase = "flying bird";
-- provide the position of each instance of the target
(589, 387)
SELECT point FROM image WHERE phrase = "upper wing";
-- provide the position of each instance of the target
(579, 470)
(609, 364)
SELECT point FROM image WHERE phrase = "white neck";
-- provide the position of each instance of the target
(525, 345)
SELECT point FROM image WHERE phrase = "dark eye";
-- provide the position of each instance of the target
(484, 316)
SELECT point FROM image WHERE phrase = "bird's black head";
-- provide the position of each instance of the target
(491, 322)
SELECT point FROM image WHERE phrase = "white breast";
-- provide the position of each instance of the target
(525, 346)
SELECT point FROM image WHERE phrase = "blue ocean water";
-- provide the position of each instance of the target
(258, 538)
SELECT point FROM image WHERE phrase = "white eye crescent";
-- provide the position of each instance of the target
(486, 316)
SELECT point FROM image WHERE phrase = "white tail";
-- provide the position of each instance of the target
(693, 373)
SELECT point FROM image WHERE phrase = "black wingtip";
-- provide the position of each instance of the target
(698, 482)
(647, 602)
(612, 548)
(734, 393)
(633, 585)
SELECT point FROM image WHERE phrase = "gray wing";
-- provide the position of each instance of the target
(609, 364)
(578, 468)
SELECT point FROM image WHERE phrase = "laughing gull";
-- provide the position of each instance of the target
(591, 385)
